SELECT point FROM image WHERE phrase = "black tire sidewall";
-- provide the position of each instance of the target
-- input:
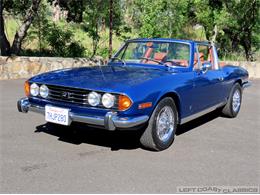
(164, 102)
(236, 87)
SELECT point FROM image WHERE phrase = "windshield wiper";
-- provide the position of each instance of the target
(118, 59)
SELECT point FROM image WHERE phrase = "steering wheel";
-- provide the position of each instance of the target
(172, 63)
(150, 59)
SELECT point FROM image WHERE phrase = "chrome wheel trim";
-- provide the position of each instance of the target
(165, 123)
(236, 101)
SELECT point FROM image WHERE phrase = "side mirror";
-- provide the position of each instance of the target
(205, 67)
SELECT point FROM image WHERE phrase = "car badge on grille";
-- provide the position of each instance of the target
(66, 94)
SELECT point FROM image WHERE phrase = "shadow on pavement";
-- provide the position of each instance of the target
(197, 122)
(79, 133)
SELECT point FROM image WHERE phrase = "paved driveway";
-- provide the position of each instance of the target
(210, 151)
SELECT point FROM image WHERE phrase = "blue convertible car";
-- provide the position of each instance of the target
(155, 84)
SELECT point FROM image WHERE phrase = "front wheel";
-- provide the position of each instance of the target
(233, 105)
(162, 125)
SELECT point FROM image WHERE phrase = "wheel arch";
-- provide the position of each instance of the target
(239, 81)
(231, 85)
(176, 100)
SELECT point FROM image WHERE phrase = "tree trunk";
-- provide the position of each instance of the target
(4, 43)
(235, 42)
(110, 27)
(95, 40)
(247, 47)
(22, 31)
(207, 33)
(56, 11)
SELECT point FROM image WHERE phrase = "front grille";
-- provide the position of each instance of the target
(73, 95)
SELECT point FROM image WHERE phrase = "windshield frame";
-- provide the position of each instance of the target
(125, 45)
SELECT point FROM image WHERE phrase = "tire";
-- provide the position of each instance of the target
(233, 105)
(165, 110)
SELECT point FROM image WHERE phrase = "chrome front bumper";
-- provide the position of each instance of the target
(110, 121)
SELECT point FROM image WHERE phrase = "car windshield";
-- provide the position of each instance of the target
(154, 52)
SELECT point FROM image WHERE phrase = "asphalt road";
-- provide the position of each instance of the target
(210, 151)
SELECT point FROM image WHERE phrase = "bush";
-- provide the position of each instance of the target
(62, 43)
(75, 50)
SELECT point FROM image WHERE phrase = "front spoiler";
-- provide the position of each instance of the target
(110, 121)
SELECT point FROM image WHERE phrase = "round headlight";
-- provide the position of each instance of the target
(34, 89)
(93, 98)
(108, 100)
(44, 91)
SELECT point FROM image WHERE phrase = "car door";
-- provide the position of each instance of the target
(207, 85)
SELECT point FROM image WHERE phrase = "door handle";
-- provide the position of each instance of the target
(221, 78)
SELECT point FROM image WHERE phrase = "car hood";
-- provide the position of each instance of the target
(104, 78)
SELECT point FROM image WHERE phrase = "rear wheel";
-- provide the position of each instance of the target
(233, 105)
(162, 125)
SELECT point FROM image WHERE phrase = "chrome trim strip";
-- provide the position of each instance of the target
(110, 121)
(215, 57)
(37, 109)
(93, 120)
(201, 113)
(127, 122)
(23, 105)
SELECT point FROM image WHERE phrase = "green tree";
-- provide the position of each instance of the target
(93, 16)
(212, 15)
(26, 11)
(96, 17)
(75, 8)
(243, 25)
(159, 18)
(61, 42)
(41, 27)
(230, 23)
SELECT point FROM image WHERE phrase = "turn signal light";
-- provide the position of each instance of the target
(27, 88)
(145, 105)
(124, 102)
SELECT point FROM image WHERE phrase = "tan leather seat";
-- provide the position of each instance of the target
(201, 57)
(160, 56)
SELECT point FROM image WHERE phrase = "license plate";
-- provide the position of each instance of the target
(57, 115)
